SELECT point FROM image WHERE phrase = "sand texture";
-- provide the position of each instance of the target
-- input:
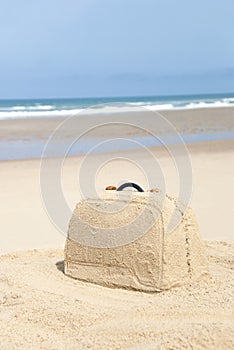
(41, 308)
(122, 241)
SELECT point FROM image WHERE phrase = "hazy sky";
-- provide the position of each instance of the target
(76, 48)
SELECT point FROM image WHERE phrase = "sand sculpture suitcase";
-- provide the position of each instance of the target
(121, 241)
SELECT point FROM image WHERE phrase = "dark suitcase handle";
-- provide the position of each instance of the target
(130, 184)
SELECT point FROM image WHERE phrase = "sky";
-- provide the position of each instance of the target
(92, 48)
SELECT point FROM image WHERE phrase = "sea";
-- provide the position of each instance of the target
(53, 107)
(16, 148)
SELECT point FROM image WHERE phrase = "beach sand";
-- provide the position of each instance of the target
(41, 308)
(194, 121)
(25, 224)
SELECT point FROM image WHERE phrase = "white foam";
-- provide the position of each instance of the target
(39, 114)
(228, 100)
(136, 103)
(47, 111)
(31, 108)
(195, 105)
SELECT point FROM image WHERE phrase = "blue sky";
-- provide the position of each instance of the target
(78, 48)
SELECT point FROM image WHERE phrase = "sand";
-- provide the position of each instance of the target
(142, 254)
(25, 224)
(41, 308)
(187, 121)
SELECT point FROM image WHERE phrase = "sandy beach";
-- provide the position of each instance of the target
(116, 175)
(41, 308)
(186, 121)
(25, 224)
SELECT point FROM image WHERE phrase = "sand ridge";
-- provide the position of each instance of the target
(41, 308)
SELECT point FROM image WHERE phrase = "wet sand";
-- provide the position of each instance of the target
(186, 121)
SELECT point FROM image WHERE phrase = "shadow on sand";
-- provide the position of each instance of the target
(60, 265)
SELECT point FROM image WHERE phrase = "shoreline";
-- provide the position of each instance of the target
(210, 146)
(26, 138)
(214, 119)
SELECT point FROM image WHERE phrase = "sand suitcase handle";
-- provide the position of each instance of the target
(130, 184)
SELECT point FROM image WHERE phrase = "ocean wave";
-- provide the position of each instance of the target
(194, 105)
(32, 108)
(160, 107)
(137, 103)
(53, 110)
(39, 114)
(228, 100)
